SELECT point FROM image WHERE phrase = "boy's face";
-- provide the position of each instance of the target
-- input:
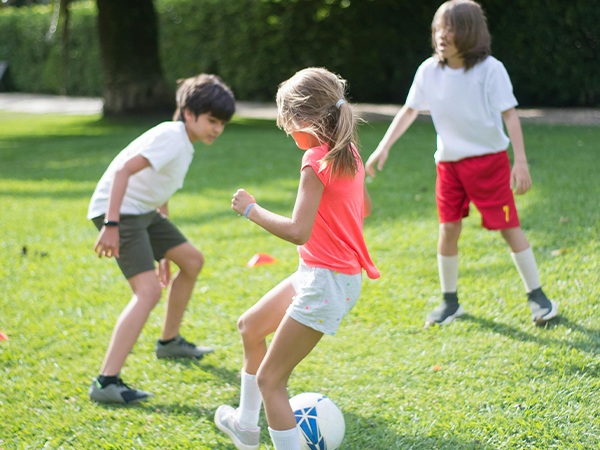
(205, 127)
(444, 41)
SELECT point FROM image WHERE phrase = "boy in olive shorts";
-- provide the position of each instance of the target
(129, 208)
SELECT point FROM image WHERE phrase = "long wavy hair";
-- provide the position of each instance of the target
(307, 103)
(471, 36)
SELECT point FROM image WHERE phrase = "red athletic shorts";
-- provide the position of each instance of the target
(483, 180)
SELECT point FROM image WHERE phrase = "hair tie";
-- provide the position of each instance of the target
(339, 103)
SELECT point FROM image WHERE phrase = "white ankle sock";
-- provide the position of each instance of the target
(448, 269)
(525, 262)
(250, 401)
(285, 439)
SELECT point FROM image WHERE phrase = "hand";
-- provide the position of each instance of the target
(378, 156)
(107, 243)
(520, 180)
(240, 201)
(164, 272)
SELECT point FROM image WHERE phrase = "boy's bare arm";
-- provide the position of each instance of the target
(164, 209)
(404, 119)
(107, 243)
(520, 180)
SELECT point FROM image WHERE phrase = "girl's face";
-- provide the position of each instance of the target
(304, 140)
(444, 41)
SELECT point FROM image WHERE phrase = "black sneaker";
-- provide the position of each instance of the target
(542, 309)
(446, 311)
(117, 392)
(180, 348)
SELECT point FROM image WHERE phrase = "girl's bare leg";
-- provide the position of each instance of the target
(261, 320)
(290, 345)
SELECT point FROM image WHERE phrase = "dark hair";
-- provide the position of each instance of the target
(204, 93)
(471, 36)
(307, 102)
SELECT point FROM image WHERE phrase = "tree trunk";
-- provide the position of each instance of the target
(133, 80)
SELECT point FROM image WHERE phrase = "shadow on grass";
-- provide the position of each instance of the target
(589, 344)
(372, 433)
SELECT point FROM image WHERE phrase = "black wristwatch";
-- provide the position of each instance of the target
(111, 223)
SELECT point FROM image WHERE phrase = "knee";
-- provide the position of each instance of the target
(267, 381)
(149, 294)
(450, 230)
(245, 328)
(193, 264)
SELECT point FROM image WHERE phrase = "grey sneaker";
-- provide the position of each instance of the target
(243, 439)
(542, 309)
(180, 348)
(117, 392)
(444, 313)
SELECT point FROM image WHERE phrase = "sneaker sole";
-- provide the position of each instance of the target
(120, 402)
(238, 444)
(448, 320)
(183, 356)
(553, 313)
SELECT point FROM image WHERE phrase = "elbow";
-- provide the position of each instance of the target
(299, 240)
(368, 211)
(300, 237)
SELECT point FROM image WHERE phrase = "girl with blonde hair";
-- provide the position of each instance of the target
(326, 224)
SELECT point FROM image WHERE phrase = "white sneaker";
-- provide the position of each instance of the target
(243, 439)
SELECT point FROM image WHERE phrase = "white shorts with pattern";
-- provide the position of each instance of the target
(323, 297)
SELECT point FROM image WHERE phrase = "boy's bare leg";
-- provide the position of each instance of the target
(448, 238)
(261, 320)
(515, 238)
(190, 262)
(292, 342)
(146, 294)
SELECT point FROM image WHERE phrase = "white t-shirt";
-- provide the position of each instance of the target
(168, 149)
(466, 107)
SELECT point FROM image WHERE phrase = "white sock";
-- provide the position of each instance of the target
(448, 269)
(285, 439)
(250, 401)
(525, 263)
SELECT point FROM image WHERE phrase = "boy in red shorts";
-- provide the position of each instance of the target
(469, 95)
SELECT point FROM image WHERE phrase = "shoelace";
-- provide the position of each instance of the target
(120, 383)
(185, 343)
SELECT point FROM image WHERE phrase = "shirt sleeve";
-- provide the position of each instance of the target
(500, 90)
(160, 149)
(416, 98)
(312, 158)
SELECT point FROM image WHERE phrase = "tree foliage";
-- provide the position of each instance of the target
(549, 47)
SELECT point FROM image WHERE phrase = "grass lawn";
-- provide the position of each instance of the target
(489, 381)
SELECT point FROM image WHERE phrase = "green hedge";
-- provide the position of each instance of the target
(550, 47)
(35, 64)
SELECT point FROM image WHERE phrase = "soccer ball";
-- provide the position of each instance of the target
(320, 422)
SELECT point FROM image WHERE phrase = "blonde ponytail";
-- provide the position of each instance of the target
(313, 101)
(342, 149)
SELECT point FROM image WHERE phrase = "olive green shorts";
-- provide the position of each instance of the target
(143, 239)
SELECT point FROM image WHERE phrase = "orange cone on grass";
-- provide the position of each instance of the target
(261, 259)
(3, 337)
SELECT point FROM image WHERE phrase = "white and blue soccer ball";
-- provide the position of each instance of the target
(319, 420)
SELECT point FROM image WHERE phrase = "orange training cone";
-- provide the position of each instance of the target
(3, 337)
(261, 259)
